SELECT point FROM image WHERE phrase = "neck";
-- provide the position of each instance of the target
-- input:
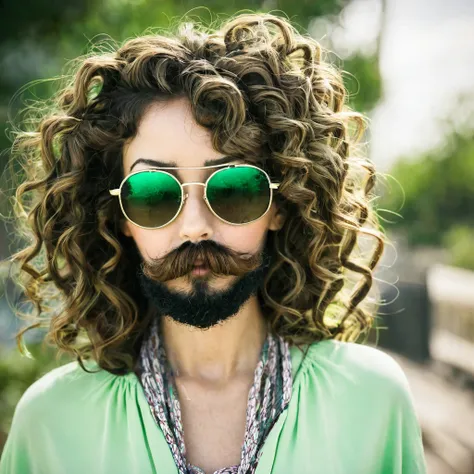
(221, 353)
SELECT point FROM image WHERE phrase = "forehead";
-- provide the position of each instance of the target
(169, 136)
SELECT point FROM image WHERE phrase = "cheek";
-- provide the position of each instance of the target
(150, 243)
(246, 238)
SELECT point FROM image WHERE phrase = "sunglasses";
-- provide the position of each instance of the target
(236, 194)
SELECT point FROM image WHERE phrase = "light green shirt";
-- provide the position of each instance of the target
(351, 412)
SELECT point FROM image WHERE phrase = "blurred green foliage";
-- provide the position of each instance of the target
(364, 86)
(459, 240)
(437, 204)
(18, 372)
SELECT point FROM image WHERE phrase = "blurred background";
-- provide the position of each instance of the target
(409, 67)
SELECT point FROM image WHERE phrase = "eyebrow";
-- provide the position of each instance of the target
(158, 163)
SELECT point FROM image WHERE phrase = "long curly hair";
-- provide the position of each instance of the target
(267, 95)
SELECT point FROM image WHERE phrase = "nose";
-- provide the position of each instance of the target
(196, 218)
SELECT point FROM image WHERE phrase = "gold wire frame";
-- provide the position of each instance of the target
(184, 195)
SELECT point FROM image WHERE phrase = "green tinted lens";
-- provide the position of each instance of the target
(151, 198)
(239, 195)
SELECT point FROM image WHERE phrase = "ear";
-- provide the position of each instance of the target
(125, 227)
(277, 220)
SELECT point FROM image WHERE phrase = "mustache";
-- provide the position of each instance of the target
(219, 259)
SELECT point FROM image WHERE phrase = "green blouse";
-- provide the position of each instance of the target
(351, 412)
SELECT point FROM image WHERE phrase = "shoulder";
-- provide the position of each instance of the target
(355, 399)
(359, 367)
(65, 409)
(66, 387)
(56, 383)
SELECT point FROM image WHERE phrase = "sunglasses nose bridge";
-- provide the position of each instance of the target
(185, 194)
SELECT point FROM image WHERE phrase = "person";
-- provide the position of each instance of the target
(199, 203)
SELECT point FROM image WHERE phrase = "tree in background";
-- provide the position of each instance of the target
(435, 198)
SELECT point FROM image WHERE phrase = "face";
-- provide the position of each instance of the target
(169, 134)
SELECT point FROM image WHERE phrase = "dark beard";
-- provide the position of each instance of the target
(203, 307)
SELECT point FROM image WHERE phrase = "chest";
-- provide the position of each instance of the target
(214, 425)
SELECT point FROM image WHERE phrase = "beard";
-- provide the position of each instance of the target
(202, 307)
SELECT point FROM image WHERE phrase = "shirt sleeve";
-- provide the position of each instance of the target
(403, 451)
(355, 413)
(30, 445)
(18, 455)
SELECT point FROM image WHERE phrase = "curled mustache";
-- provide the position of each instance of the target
(219, 260)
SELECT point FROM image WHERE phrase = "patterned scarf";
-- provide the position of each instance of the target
(268, 397)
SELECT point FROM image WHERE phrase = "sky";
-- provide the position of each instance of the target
(427, 62)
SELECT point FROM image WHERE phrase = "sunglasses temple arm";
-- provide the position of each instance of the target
(114, 192)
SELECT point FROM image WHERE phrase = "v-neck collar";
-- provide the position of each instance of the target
(157, 444)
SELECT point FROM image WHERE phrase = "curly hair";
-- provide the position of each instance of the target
(266, 95)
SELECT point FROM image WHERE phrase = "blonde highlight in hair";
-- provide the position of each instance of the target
(266, 95)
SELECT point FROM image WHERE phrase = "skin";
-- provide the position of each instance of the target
(214, 359)
(213, 368)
